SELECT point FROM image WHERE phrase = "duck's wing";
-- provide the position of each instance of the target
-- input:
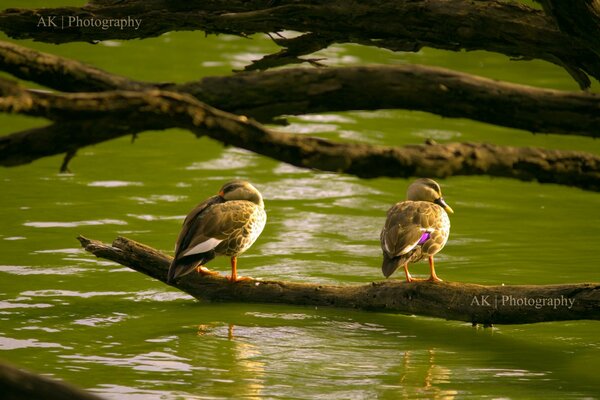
(208, 226)
(401, 232)
(194, 225)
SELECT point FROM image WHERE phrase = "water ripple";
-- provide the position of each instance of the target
(154, 361)
(8, 304)
(30, 270)
(321, 187)
(74, 224)
(120, 392)
(68, 293)
(102, 321)
(114, 184)
(229, 159)
(7, 343)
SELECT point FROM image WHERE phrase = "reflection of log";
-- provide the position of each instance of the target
(16, 384)
(267, 95)
(507, 28)
(455, 301)
(132, 112)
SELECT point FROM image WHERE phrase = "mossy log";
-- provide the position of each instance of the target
(510, 304)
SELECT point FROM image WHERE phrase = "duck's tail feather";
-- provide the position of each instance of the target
(389, 265)
(185, 265)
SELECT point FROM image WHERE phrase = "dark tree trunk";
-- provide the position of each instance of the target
(504, 27)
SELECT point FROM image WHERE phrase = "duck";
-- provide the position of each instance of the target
(223, 225)
(415, 228)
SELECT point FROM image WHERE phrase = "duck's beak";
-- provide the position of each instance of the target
(221, 193)
(440, 202)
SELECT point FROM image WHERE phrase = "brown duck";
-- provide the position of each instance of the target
(223, 225)
(415, 228)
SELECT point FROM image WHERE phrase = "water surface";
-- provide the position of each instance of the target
(117, 333)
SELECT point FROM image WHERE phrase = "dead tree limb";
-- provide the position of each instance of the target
(487, 305)
(131, 112)
(17, 384)
(507, 28)
(267, 95)
(411, 87)
(580, 19)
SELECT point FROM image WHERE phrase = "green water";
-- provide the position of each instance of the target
(122, 335)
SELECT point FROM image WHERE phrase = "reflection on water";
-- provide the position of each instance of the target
(326, 118)
(354, 368)
(95, 321)
(74, 224)
(27, 270)
(232, 158)
(438, 134)
(322, 186)
(7, 343)
(113, 184)
(154, 361)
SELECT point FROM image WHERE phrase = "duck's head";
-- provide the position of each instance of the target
(426, 189)
(241, 190)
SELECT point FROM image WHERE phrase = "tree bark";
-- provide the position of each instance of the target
(137, 111)
(17, 384)
(507, 28)
(267, 95)
(580, 19)
(487, 305)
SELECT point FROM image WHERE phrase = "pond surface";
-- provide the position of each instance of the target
(122, 335)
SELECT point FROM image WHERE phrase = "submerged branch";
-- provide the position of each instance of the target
(504, 27)
(450, 300)
(90, 117)
(267, 95)
(17, 384)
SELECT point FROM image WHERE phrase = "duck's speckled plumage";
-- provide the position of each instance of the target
(415, 229)
(218, 226)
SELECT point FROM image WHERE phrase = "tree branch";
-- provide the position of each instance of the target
(133, 112)
(267, 95)
(456, 301)
(507, 28)
(580, 19)
(17, 384)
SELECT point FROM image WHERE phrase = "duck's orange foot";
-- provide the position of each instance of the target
(411, 279)
(205, 271)
(239, 278)
(434, 278)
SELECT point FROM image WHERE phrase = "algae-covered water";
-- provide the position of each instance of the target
(122, 335)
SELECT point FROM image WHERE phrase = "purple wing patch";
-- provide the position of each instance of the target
(424, 237)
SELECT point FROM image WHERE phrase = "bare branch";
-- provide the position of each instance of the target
(267, 95)
(149, 110)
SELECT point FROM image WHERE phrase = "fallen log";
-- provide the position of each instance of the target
(510, 304)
